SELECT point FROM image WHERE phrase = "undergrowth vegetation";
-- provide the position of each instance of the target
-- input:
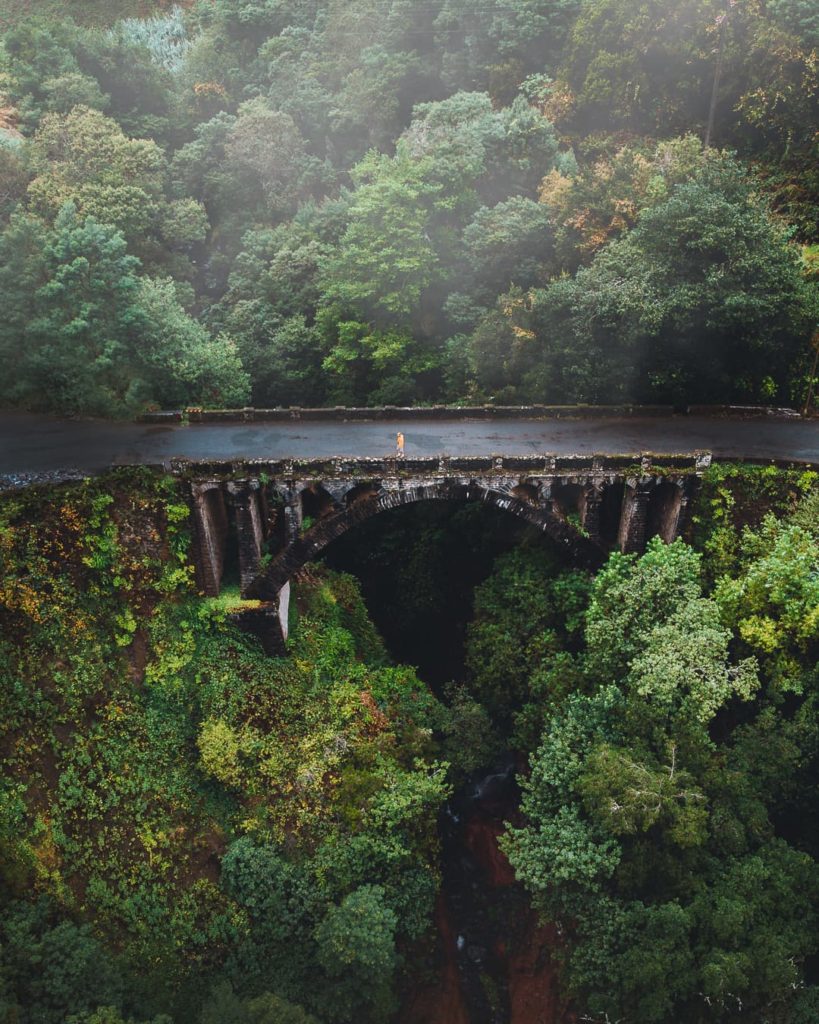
(212, 812)
(191, 830)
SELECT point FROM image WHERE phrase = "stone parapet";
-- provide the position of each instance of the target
(438, 466)
(342, 413)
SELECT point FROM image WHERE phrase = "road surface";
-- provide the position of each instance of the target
(37, 445)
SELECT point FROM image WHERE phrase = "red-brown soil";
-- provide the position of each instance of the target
(442, 1002)
(525, 957)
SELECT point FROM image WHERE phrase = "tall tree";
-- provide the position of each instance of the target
(90, 336)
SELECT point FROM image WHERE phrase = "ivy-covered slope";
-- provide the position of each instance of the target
(180, 811)
(192, 831)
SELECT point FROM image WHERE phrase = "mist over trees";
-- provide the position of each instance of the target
(379, 202)
(307, 202)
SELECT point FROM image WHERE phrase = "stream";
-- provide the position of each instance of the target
(492, 963)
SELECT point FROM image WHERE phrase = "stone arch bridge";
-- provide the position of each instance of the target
(274, 517)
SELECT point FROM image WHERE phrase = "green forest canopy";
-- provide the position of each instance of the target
(191, 831)
(309, 202)
(294, 201)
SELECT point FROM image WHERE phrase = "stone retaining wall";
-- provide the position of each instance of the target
(452, 412)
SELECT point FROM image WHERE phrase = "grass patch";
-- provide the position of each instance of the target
(230, 600)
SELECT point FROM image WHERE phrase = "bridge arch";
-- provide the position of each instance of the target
(581, 549)
(293, 509)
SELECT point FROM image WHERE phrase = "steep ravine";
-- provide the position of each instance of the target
(490, 961)
(494, 964)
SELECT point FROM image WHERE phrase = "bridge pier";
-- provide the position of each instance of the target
(591, 511)
(634, 515)
(669, 501)
(293, 513)
(268, 622)
(687, 493)
(250, 529)
(210, 532)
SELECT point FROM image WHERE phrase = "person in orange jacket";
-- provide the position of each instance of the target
(399, 443)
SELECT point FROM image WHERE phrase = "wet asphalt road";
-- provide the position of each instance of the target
(33, 444)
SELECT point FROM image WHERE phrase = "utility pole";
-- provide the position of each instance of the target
(721, 22)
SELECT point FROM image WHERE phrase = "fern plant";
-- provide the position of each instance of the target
(165, 36)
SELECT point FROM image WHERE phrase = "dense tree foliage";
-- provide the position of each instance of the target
(700, 296)
(93, 334)
(188, 813)
(407, 203)
(669, 824)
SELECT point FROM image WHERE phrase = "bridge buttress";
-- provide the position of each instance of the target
(250, 528)
(634, 514)
(210, 531)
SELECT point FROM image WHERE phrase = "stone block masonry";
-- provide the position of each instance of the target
(210, 534)
(277, 516)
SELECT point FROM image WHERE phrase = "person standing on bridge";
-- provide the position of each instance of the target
(399, 443)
